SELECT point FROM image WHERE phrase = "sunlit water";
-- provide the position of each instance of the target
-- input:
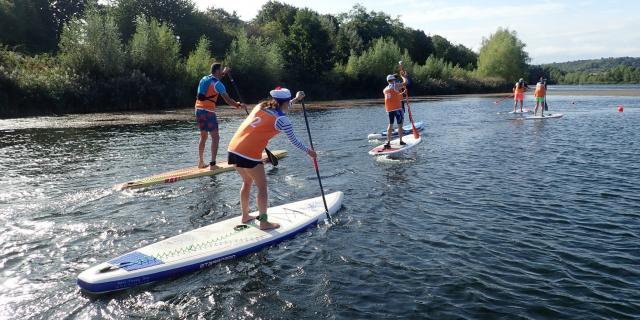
(490, 217)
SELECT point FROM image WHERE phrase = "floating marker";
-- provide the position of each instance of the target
(620, 108)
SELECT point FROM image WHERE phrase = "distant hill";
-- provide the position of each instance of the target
(594, 65)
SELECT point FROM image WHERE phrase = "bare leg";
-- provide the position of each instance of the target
(535, 110)
(515, 105)
(201, 144)
(245, 192)
(389, 132)
(400, 131)
(542, 108)
(215, 140)
(521, 103)
(260, 179)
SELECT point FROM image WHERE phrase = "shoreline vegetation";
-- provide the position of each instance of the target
(145, 55)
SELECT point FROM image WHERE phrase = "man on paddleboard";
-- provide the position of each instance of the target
(266, 120)
(209, 89)
(540, 94)
(518, 94)
(393, 105)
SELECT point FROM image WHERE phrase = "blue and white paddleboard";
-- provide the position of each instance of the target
(406, 128)
(546, 116)
(204, 247)
(409, 140)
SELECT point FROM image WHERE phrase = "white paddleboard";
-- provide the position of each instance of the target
(546, 116)
(520, 112)
(406, 128)
(410, 141)
(204, 247)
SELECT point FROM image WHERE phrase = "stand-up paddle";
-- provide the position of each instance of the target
(502, 99)
(272, 158)
(315, 161)
(406, 97)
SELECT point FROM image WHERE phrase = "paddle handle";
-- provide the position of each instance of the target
(315, 162)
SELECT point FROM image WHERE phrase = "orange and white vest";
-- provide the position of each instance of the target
(518, 88)
(392, 99)
(211, 95)
(254, 133)
(540, 90)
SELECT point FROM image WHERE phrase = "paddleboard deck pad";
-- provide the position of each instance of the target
(187, 173)
(546, 116)
(410, 141)
(406, 128)
(204, 247)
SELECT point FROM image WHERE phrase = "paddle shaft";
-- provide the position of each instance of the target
(315, 162)
(272, 158)
(502, 99)
(406, 97)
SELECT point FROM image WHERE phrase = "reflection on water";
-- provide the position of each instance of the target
(490, 217)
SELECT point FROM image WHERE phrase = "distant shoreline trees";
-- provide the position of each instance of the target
(149, 55)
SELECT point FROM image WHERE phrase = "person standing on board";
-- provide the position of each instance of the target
(518, 94)
(540, 95)
(266, 120)
(393, 105)
(209, 89)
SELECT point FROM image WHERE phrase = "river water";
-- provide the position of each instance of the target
(490, 217)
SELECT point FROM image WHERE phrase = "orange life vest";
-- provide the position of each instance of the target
(392, 99)
(540, 90)
(254, 134)
(211, 96)
(519, 88)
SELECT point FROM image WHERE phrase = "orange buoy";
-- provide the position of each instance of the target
(620, 108)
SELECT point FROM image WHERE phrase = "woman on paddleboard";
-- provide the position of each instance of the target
(393, 105)
(266, 120)
(518, 94)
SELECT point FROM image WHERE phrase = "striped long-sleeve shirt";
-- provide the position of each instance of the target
(283, 124)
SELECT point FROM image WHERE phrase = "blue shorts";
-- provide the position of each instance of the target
(207, 120)
(398, 115)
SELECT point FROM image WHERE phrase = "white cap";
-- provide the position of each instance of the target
(280, 93)
(391, 77)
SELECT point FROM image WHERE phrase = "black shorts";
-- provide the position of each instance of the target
(241, 162)
(397, 115)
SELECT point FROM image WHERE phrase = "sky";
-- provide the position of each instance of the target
(553, 31)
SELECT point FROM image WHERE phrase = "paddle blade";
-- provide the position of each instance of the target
(272, 158)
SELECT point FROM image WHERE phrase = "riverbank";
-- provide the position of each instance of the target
(186, 114)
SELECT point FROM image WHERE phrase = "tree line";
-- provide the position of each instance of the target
(66, 56)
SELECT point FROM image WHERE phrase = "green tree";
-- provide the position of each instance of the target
(256, 65)
(91, 45)
(502, 55)
(155, 49)
(199, 61)
(307, 47)
(27, 25)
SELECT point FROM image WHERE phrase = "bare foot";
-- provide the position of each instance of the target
(213, 167)
(265, 225)
(247, 219)
(201, 165)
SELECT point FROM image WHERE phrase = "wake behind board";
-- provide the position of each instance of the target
(204, 247)
(406, 128)
(187, 173)
(410, 141)
(546, 116)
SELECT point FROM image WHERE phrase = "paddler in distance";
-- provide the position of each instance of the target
(209, 89)
(518, 94)
(393, 105)
(540, 94)
(266, 120)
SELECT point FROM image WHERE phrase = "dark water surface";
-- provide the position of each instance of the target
(490, 218)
